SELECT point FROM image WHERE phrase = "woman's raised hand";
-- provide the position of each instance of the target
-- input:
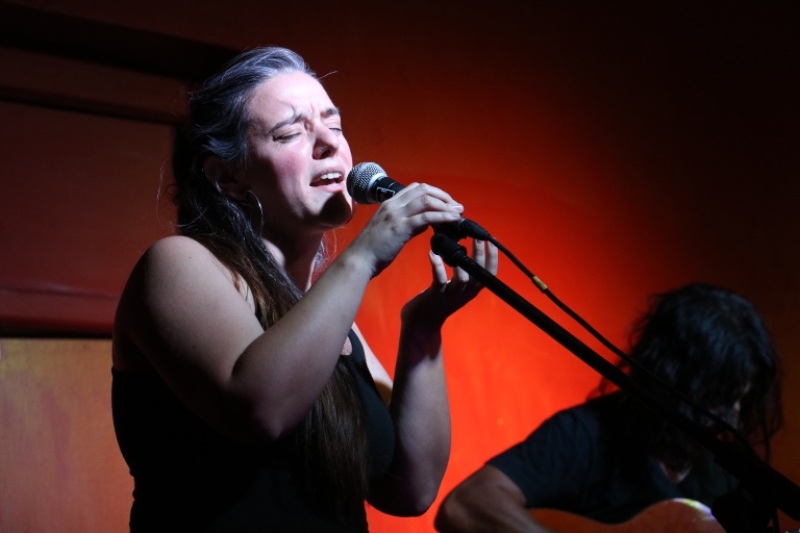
(444, 297)
(407, 214)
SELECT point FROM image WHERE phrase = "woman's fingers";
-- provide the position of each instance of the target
(427, 204)
(438, 269)
(483, 253)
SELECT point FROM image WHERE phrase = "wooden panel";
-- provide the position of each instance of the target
(80, 202)
(68, 84)
(49, 30)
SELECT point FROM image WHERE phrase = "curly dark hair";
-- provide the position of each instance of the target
(712, 347)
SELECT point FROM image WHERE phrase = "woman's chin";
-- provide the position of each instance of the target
(337, 211)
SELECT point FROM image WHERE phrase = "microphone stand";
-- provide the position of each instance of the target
(767, 489)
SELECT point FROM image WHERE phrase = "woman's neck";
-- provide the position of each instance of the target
(297, 257)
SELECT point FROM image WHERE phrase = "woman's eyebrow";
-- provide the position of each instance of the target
(294, 119)
(300, 116)
(330, 112)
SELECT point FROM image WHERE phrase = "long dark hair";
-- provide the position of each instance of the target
(330, 442)
(712, 346)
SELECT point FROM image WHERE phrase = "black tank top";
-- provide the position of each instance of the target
(188, 477)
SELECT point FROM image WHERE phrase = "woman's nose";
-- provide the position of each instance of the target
(326, 143)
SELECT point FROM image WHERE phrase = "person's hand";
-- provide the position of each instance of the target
(400, 218)
(443, 298)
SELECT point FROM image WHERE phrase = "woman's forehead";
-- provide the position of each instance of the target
(291, 89)
(288, 97)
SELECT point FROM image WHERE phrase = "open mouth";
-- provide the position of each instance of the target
(328, 179)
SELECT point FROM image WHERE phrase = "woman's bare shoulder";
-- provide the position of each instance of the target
(172, 269)
(170, 295)
(178, 254)
(175, 246)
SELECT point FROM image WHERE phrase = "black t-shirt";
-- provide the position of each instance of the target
(188, 477)
(572, 462)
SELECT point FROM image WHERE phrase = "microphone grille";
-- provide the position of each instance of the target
(359, 179)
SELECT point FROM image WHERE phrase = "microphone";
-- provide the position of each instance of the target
(368, 183)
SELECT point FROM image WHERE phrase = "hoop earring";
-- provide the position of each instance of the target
(251, 214)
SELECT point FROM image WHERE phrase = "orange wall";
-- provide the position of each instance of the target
(60, 466)
(615, 152)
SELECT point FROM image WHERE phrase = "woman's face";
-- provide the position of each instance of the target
(299, 158)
